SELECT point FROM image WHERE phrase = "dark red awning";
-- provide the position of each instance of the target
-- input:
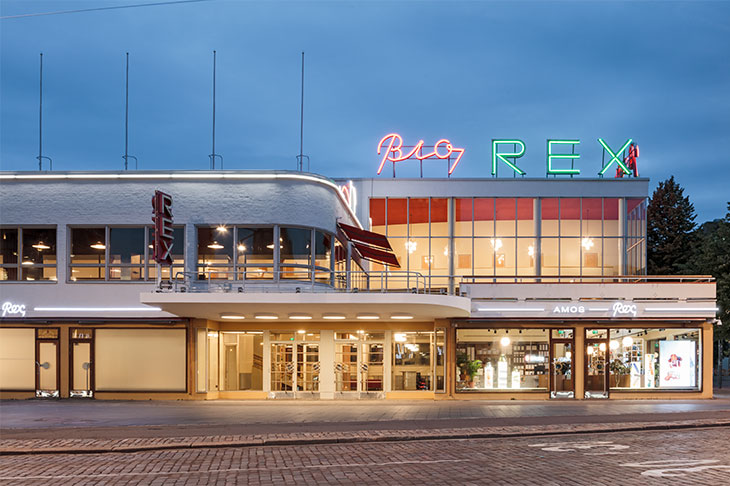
(376, 255)
(368, 237)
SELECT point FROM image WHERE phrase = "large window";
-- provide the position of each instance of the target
(663, 359)
(581, 236)
(502, 359)
(118, 253)
(412, 365)
(27, 254)
(249, 253)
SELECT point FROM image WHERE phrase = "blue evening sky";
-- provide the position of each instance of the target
(469, 71)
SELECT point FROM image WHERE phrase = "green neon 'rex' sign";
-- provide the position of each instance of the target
(614, 157)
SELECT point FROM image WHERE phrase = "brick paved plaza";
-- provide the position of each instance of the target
(695, 456)
(479, 442)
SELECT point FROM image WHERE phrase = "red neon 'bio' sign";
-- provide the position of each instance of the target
(392, 147)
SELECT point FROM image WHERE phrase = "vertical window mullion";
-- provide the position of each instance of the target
(19, 263)
(580, 237)
(147, 252)
(234, 248)
(107, 247)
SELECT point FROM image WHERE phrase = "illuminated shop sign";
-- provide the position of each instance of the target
(162, 217)
(617, 309)
(350, 194)
(506, 151)
(392, 147)
(10, 309)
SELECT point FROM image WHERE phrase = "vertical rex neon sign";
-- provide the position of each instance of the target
(614, 156)
(551, 156)
(503, 155)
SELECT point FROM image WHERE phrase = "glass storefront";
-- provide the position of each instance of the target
(502, 359)
(412, 365)
(655, 359)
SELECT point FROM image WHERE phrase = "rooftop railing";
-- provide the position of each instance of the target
(488, 279)
(298, 281)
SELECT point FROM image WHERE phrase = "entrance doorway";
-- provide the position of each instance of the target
(562, 382)
(359, 363)
(596, 363)
(46, 361)
(82, 363)
(295, 365)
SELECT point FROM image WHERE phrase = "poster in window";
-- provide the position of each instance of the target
(677, 363)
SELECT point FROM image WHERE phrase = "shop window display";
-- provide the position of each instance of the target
(502, 359)
(654, 359)
(412, 368)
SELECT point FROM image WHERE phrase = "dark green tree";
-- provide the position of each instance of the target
(711, 256)
(670, 229)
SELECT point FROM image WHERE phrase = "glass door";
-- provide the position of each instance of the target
(282, 367)
(308, 367)
(371, 367)
(81, 369)
(46, 363)
(561, 369)
(596, 352)
(346, 366)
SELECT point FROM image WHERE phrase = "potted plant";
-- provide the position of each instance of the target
(473, 368)
(618, 370)
(462, 362)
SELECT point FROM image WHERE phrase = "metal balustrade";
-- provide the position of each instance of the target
(296, 280)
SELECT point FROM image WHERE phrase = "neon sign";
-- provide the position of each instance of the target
(9, 308)
(391, 149)
(350, 194)
(552, 156)
(394, 151)
(503, 155)
(162, 217)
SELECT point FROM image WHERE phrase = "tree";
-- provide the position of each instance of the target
(711, 256)
(670, 229)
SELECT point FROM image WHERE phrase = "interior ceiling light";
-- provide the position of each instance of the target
(334, 317)
(368, 317)
(401, 316)
(98, 246)
(215, 246)
(504, 341)
(241, 248)
(233, 317)
(41, 246)
(221, 229)
(587, 243)
(27, 262)
(400, 337)
(266, 316)
(300, 317)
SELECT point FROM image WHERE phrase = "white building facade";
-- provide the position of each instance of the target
(505, 288)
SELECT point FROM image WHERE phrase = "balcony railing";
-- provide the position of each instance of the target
(297, 281)
(487, 279)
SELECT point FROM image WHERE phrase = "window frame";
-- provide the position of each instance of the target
(18, 265)
(107, 265)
